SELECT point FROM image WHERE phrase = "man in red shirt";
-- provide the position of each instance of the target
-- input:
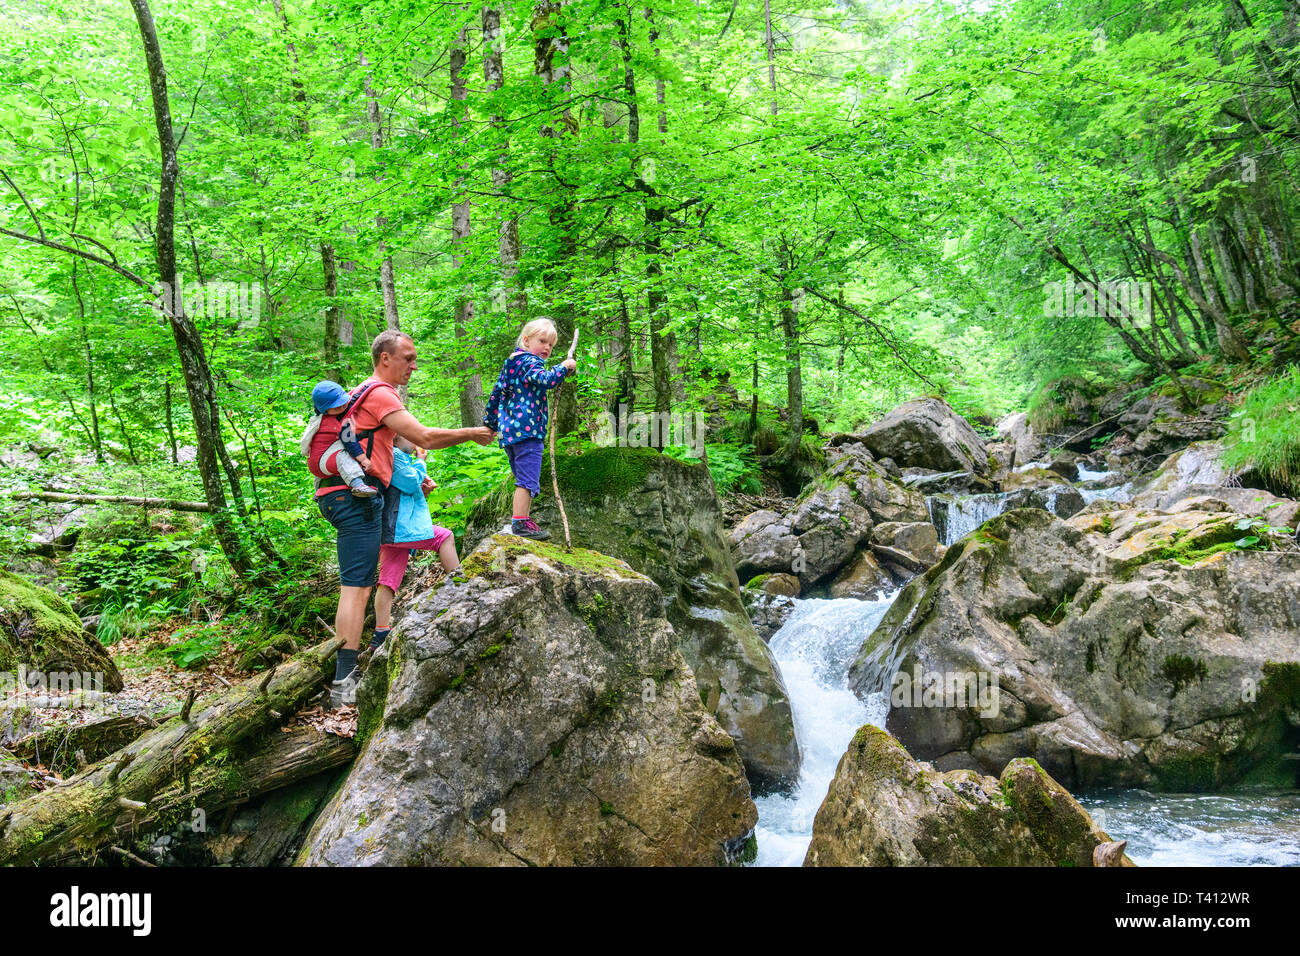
(363, 524)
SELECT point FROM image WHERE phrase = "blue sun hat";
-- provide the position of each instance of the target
(327, 395)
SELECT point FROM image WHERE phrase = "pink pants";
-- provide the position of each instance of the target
(393, 558)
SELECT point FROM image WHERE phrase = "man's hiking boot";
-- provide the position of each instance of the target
(343, 692)
(362, 490)
(527, 528)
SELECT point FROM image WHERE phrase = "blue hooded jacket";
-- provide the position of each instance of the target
(413, 520)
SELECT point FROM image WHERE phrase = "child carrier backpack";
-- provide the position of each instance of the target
(339, 427)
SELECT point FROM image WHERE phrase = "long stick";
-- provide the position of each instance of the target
(555, 486)
(555, 476)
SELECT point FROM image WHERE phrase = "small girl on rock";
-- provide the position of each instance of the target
(517, 409)
(415, 532)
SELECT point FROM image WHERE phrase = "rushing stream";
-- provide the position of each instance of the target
(815, 649)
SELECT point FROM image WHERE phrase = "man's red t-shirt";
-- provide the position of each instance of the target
(376, 405)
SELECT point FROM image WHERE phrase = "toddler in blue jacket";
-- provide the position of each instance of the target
(517, 409)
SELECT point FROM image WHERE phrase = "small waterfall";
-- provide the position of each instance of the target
(955, 517)
(1113, 492)
(814, 651)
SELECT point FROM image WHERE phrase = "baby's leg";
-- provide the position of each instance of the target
(349, 469)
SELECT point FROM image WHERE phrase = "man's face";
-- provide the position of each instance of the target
(398, 364)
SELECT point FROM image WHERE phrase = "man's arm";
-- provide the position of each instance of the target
(403, 423)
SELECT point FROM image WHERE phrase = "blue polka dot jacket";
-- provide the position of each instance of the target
(517, 406)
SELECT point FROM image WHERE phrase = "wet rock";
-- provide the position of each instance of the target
(919, 539)
(865, 579)
(1128, 648)
(1016, 430)
(886, 809)
(767, 612)
(762, 542)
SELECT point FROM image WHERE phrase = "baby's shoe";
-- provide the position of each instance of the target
(362, 490)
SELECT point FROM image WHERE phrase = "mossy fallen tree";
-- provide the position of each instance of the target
(249, 769)
(73, 747)
(88, 811)
(162, 504)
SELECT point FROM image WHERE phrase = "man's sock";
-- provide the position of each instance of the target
(345, 663)
(519, 517)
(381, 635)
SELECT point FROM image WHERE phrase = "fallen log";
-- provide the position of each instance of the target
(84, 813)
(249, 769)
(57, 747)
(163, 504)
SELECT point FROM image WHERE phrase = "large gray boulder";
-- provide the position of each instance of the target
(886, 809)
(927, 433)
(823, 533)
(535, 709)
(1129, 648)
(1015, 429)
(763, 542)
(662, 517)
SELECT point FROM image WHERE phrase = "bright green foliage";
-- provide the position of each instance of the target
(1265, 432)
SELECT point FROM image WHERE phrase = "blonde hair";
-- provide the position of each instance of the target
(405, 444)
(535, 327)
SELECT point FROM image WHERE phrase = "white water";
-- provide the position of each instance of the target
(1246, 828)
(1113, 493)
(815, 649)
(968, 512)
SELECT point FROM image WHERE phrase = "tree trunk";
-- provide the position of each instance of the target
(166, 504)
(198, 380)
(167, 419)
(550, 65)
(471, 386)
(333, 312)
(84, 813)
(512, 294)
(255, 766)
(387, 282)
(793, 370)
(663, 344)
(90, 368)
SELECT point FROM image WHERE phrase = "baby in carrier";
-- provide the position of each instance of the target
(330, 441)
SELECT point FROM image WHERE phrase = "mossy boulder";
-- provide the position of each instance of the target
(886, 809)
(1130, 648)
(535, 709)
(662, 517)
(39, 631)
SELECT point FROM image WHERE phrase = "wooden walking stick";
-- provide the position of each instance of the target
(555, 476)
